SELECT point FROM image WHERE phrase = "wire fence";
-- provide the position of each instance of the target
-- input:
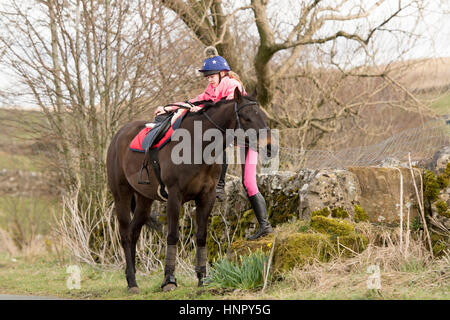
(421, 143)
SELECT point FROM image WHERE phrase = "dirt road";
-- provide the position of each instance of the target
(16, 297)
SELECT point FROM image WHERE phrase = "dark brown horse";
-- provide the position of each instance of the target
(184, 182)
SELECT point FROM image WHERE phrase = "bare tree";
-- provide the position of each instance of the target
(325, 45)
(90, 66)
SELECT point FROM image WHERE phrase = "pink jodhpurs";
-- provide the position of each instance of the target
(250, 172)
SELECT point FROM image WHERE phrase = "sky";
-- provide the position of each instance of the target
(434, 30)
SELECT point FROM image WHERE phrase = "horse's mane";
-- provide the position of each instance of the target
(209, 104)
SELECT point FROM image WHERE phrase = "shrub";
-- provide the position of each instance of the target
(248, 273)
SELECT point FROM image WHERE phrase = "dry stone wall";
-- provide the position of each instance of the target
(298, 194)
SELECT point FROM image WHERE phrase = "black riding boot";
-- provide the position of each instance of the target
(220, 189)
(259, 207)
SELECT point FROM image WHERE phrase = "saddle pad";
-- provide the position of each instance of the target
(136, 143)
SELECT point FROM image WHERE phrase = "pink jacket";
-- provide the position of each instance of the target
(224, 89)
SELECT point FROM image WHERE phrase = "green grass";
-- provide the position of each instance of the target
(18, 130)
(45, 276)
(23, 162)
(34, 214)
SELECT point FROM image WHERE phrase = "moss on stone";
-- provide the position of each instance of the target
(442, 182)
(360, 214)
(355, 242)
(325, 212)
(444, 179)
(243, 247)
(442, 208)
(247, 218)
(446, 173)
(301, 248)
(339, 212)
(295, 249)
(283, 208)
(431, 186)
(331, 226)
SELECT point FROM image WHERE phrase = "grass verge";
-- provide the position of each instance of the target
(44, 276)
(339, 279)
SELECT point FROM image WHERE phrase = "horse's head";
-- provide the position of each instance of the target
(250, 116)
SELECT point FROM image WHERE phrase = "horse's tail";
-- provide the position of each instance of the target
(133, 203)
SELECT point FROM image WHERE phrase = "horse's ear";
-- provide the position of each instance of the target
(237, 95)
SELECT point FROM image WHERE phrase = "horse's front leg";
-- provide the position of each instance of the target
(204, 207)
(173, 213)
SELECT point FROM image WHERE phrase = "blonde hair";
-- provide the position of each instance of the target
(234, 75)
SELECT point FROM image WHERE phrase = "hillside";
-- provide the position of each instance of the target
(428, 75)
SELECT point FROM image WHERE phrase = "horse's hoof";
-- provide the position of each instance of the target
(169, 283)
(169, 287)
(201, 277)
(133, 290)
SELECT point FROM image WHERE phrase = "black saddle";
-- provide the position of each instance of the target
(162, 124)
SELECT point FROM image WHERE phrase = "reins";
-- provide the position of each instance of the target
(236, 112)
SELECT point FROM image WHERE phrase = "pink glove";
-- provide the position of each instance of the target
(196, 108)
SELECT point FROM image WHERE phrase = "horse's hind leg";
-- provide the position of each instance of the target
(140, 217)
(173, 213)
(204, 207)
(122, 199)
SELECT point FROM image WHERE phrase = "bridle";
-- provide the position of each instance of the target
(236, 112)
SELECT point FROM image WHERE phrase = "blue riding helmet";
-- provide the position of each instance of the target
(214, 65)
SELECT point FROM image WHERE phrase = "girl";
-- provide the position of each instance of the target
(222, 83)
